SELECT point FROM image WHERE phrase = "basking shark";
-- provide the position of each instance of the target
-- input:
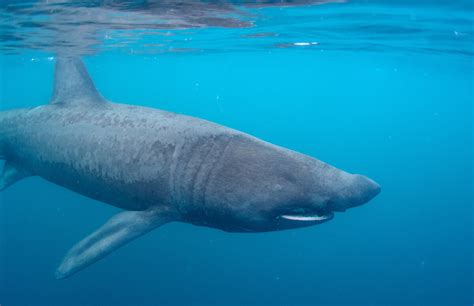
(161, 167)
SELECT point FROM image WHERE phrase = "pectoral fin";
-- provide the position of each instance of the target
(11, 174)
(118, 231)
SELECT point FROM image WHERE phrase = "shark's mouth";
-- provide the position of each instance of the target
(309, 218)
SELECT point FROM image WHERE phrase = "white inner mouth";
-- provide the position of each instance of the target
(308, 217)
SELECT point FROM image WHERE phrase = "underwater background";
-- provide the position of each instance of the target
(381, 88)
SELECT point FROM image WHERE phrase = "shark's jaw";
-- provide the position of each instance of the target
(308, 218)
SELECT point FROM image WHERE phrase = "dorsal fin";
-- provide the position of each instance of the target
(73, 85)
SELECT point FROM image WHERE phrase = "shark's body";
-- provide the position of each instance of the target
(161, 167)
(130, 157)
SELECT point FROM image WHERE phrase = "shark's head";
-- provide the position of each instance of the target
(332, 191)
(261, 187)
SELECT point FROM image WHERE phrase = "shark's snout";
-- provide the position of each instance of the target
(359, 190)
(368, 188)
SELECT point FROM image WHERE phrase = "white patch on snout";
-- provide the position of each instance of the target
(308, 218)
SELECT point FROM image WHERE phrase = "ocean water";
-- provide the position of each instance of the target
(381, 88)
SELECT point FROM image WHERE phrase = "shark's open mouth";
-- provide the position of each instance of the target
(308, 218)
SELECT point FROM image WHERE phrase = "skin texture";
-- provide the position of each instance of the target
(160, 167)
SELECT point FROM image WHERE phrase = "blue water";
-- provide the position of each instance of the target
(395, 106)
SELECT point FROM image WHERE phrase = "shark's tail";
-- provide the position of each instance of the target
(2, 153)
(7, 125)
(3, 180)
(11, 173)
(72, 86)
(4, 126)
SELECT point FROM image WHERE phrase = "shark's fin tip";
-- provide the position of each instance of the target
(72, 83)
(10, 175)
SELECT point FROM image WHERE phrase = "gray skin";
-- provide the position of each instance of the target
(161, 167)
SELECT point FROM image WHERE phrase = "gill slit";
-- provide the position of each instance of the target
(211, 174)
(197, 174)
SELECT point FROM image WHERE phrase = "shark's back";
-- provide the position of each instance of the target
(127, 156)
